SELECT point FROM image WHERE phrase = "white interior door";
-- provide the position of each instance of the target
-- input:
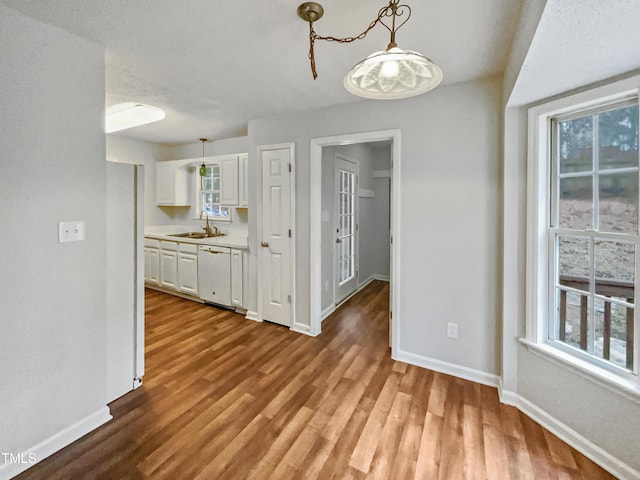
(276, 241)
(346, 268)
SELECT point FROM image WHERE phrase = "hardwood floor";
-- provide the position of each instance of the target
(227, 398)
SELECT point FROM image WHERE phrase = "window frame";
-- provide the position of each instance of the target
(209, 162)
(540, 249)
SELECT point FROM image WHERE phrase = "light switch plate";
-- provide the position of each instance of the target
(71, 231)
(452, 330)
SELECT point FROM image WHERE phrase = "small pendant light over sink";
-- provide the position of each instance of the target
(203, 167)
(389, 74)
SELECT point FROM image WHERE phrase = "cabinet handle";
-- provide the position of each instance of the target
(213, 253)
(265, 244)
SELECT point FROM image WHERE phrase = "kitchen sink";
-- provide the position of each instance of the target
(194, 235)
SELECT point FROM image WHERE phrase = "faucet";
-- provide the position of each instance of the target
(207, 228)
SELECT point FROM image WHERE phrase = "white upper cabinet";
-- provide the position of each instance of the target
(243, 182)
(172, 184)
(229, 180)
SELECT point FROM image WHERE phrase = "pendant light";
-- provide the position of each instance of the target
(388, 74)
(203, 167)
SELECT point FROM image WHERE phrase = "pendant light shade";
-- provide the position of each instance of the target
(386, 75)
(392, 74)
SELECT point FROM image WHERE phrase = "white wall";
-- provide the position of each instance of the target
(53, 296)
(375, 247)
(600, 416)
(604, 422)
(449, 221)
(136, 152)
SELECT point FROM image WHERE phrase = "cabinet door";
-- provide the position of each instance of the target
(229, 184)
(152, 266)
(188, 273)
(243, 170)
(236, 277)
(165, 184)
(168, 269)
(172, 184)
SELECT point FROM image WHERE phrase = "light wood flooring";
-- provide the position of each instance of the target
(227, 398)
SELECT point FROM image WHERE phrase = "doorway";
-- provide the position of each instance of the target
(321, 236)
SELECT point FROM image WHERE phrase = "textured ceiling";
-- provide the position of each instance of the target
(215, 65)
(578, 43)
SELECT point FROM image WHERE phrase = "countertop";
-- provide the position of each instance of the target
(233, 238)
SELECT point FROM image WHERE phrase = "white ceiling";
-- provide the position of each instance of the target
(215, 65)
(578, 43)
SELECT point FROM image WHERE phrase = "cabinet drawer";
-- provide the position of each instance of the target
(191, 248)
(169, 246)
(151, 243)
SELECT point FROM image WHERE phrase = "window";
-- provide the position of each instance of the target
(594, 231)
(346, 226)
(583, 224)
(209, 196)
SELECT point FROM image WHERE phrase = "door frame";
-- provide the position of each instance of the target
(315, 248)
(356, 206)
(292, 218)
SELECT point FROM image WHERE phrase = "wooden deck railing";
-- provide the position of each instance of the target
(607, 288)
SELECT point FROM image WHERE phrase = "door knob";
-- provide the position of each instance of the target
(265, 244)
(338, 240)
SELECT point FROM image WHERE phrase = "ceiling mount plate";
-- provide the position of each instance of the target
(310, 11)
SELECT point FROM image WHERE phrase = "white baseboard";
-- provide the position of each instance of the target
(56, 442)
(590, 450)
(507, 397)
(252, 316)
(448, 368)
(302, 328)
(384, 278)
(327, 311)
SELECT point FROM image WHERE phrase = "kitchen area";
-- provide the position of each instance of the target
(203, 258)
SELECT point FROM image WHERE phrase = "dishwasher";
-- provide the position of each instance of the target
(214, 274)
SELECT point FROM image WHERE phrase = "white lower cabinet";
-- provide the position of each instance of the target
(151, 261)
(174, 266)
(236, 277)
(178, 267)
(188, 268)
(152, 266)
(169, 265)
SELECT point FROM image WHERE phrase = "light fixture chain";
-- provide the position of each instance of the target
(313, 36)
(347, 39)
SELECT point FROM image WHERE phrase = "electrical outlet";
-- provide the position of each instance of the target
(452, 330)
(71, 231)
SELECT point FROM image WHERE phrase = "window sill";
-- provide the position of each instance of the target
(626, 388)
